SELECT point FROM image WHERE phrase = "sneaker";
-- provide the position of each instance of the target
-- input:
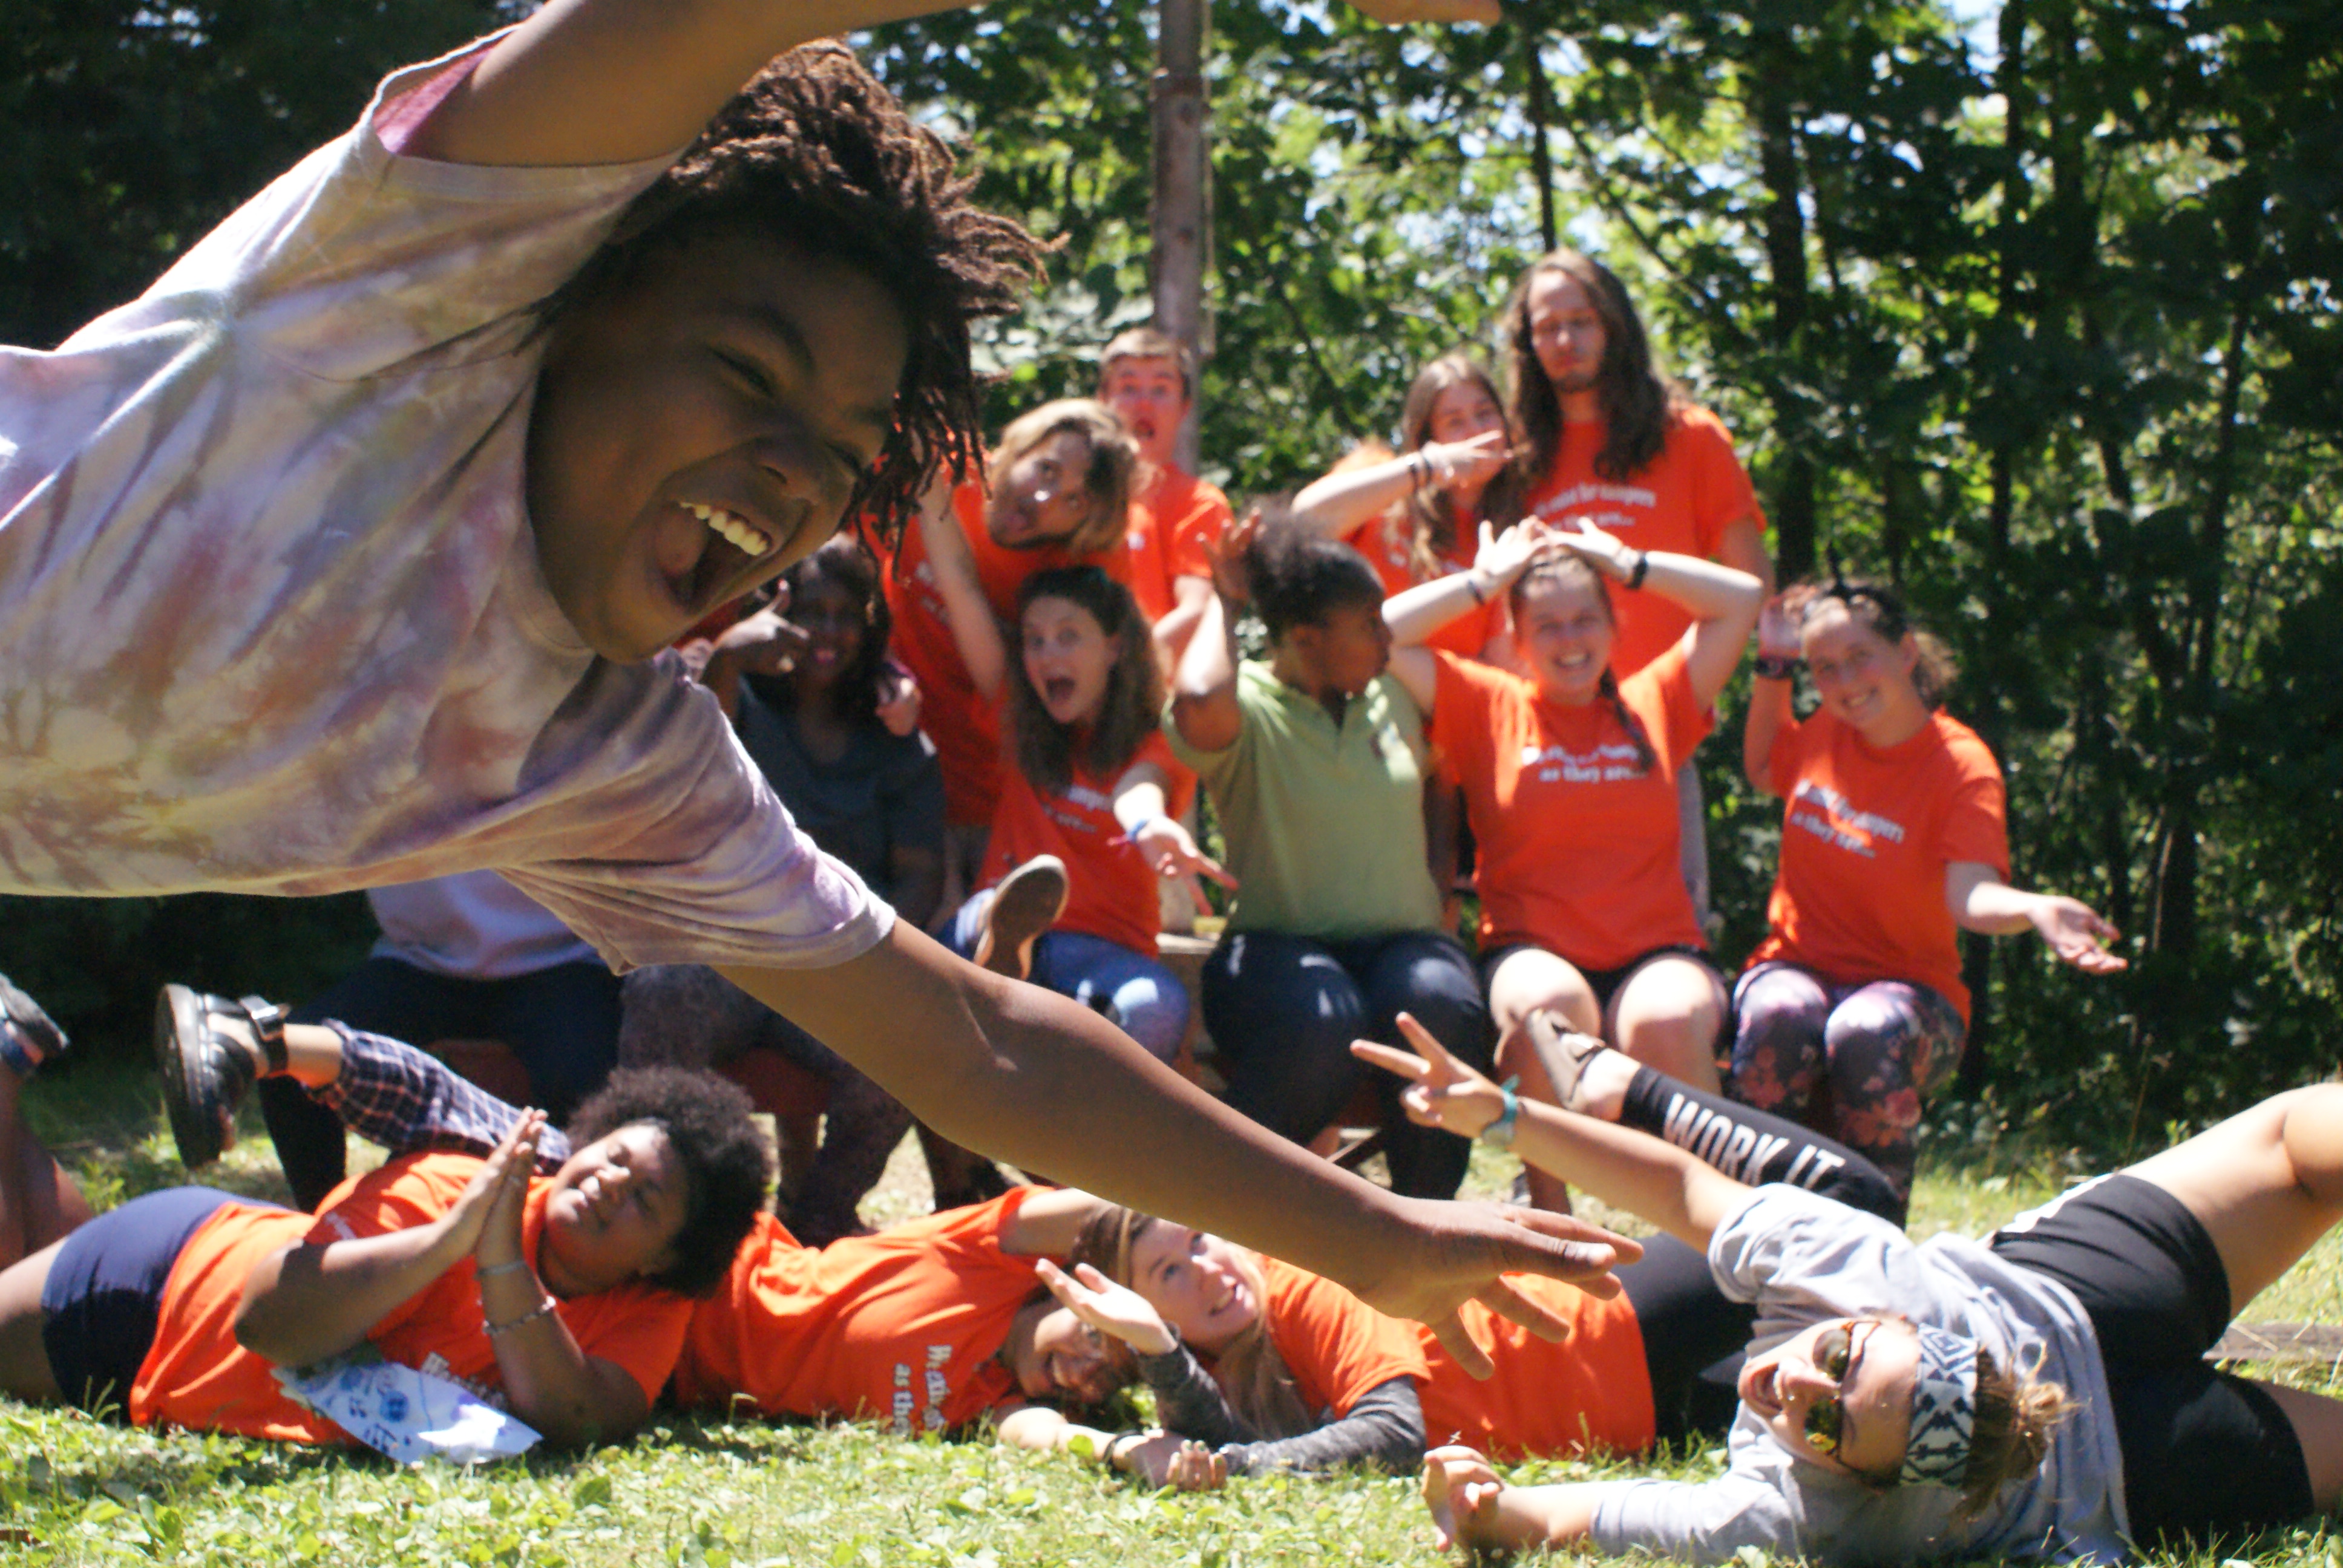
(1027, 902)
(1564, 1052)
(28, 1037)
(205, 1073)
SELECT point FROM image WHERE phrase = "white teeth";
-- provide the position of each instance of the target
(731, 529)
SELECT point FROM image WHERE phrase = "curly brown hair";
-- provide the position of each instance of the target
(816, 154)
(1638, 401)
(1047, 752)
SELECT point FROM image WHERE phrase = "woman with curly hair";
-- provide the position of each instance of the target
(565, 1292)
(346, 554)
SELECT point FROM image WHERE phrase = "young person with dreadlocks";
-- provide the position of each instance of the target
(1852, 1010)
(1601, 433)
(343, 555)
(1570, 784)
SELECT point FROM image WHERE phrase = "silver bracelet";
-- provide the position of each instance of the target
(514, 1267)
(544, 1309)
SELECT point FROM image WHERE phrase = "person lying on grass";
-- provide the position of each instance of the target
(562, 1297)
(930, 1327)
(2042, 1395)
(345, 555)
(1258, 1367)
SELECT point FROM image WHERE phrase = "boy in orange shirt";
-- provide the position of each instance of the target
(1176, 519)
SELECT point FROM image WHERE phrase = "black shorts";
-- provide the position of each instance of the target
(104, 1294)
(1604, 983)
(2205, 1453)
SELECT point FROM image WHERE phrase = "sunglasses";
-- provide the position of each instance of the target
(1833, 1353)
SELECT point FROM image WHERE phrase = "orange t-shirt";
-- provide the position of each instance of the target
(1109, 889)
(197, 1376)
(1335, 1345)
(1592, 1391)
(1682, 502)
(1578, 850)
(1173, 528)
(900, 1327)
(1389, 544)
(1865, 844)
(961, 723)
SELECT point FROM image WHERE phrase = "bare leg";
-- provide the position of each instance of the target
(24, 1360)
(38, 1201)
(1667, 1014)
(2318, 1427)
(1528, 981)
(2266, 1184)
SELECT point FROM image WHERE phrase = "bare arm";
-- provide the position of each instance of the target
(1177, 627)
(975, 633)
(1021, 1072)
(1769, 696)
(1981, 901)
(609, 81)
(1049, 1221)
(1335, 505)
(1205, 708)
(1473, 1510)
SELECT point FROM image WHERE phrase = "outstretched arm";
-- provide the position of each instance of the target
(975, 633)
(610, 81)
(1472, 1511)
(1981, 901)
(1023, 1073)
(1631, 1170)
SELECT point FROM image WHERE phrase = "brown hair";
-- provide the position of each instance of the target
(1563, 569)
(1250, 1370)
(1113, 464)
(1880, 609)
(1638, 401)
(1134, 686)
(1149, 343)
(2011, 1436)
(1434, 528)
(814, 154)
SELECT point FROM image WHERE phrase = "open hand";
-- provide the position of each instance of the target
(1170, 851)
(1227, 556)
(1109, 1308)
(1605, 551)
(763, 642)
(1474, 461)
(1777, 632)
(2077, 934)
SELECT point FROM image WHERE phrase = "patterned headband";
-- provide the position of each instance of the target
(1944, 1409)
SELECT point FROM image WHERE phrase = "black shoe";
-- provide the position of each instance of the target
(28, 1037)
(206, 1073)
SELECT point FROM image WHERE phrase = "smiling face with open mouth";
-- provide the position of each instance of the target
(1564, 633)
(1867, 682)
(1197, 1282)
(699, 427)
(1069, 658)
(1838, 1394)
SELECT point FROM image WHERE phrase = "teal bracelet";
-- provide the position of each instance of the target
(1499, 1134)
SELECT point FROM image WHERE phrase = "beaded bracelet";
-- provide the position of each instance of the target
(1776, 666)
(544, 1309)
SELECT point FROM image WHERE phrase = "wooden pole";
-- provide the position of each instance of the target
(1182, 205)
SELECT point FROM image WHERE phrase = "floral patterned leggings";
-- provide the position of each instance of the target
(1853, 1062)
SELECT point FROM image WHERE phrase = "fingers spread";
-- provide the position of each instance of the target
(1388, 1059)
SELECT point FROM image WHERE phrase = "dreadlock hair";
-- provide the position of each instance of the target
(2015, 1420)
(1637, 400)
(1294, 577)
(726, 1164)
(1107, 477)
(1881, 608)
(816, 155)
(845, 562)
(1568, 571)
(1047, 750)
(1249, 1369)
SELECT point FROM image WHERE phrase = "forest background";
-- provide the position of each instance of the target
(2030, 310)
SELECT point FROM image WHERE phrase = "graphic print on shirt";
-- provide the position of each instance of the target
(1738, 1150)
(933, 1385)
(1604, 765)
(1602, 505)
(1833, 819)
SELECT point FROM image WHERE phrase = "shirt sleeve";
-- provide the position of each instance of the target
(1663, 690)
(1801, 1256)
(1706, 1522)
(1188, 544)
(1722, 493)
(1976, 823)
(1462, 697)
(1788, 755)
(1180, 780)
(1337, 1346)
(1383, 1430)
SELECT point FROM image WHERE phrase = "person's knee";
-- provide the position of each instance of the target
(2312, 1133)
(1153, 1010)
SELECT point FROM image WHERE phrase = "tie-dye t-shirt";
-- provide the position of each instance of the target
(270, 605)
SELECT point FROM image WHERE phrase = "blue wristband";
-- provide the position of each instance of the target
(1499, 1134)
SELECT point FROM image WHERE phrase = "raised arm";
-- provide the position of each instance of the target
(1724, 600)
(1632, 1170)
(1336, 504)
(1204, 709)
(1769, 693)
(975, 631)
(1033, 1077)
(610, 81)
(1981, 901)
(1415, 615)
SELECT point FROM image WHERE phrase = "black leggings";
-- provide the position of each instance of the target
(1693, 1334)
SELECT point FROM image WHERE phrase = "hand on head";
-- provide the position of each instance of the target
(1503, 556)
(1777, 631)
(1111, 1309)
(1605, 551)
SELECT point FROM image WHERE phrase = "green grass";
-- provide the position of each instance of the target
(75, 1490)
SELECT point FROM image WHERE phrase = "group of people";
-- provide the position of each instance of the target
(365, 551)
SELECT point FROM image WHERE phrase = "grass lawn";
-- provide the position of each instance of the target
(73, 1490)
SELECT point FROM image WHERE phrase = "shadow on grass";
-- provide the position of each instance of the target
(748, 1438)
(104, 1121)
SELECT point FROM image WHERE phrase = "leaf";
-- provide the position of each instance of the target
(593, 1492)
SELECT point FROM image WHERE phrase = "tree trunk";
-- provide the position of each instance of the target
(1771, 83)
(1182, 219)
(1539, 103)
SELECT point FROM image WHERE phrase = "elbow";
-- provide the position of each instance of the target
(1199, 718)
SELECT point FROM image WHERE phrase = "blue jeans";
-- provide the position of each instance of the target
(1145, 997)
(1283, 1009)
